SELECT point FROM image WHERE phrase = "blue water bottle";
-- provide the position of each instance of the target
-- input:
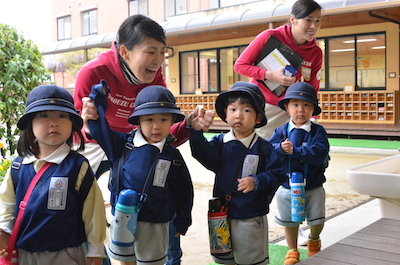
(298, 196)
(123, 225)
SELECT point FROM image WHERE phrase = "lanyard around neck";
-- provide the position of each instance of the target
(305, 164)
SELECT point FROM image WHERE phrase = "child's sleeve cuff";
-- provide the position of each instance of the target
(96, 250)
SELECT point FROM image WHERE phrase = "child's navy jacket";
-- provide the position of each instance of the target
(315, 154)
(225, 158)
(173, 195)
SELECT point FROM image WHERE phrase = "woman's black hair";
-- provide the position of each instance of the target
(302, 8)
(135, 29)
(28, 145)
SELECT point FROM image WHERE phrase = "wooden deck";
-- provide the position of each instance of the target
(376, 244)
(344, 129)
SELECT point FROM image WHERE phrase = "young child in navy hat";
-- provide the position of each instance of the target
(152, 167)
(246, 167)
(304, 147)
(66, 208)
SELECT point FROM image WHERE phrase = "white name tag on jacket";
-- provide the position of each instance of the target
(58, 189)
(250, 165)
(161, 173)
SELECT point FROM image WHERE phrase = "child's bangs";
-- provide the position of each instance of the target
(243, 99)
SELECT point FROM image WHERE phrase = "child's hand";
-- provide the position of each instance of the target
(178, 234)
(3, 253)
(89, 109)
(4, 239)
(201, 119)
(93, 261)
(89, 112)
(287, 147)
(246, 184)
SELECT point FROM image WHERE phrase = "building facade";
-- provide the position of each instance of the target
(359, 38)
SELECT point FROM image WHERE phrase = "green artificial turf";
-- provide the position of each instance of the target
(382, 144)
(277, 253)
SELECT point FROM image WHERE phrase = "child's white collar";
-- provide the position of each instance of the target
(306, 126)
(245, 141)
(56, 157)
(139, 141)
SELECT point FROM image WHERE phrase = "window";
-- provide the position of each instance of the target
(175, 7)
(228, 76)
(210, 70)
(189, 72)
(321, 44)
(89, 22)
(214, 4)
(341, 62)
(224, 3)
(138, 7)
(64, 28)
(358, 60)
(371, 61)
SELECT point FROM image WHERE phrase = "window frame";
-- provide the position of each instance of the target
(142, 7)
(170, 8)
(355, 57)
(90, 21)
(214, 4)
(64, 28)
(198, 74)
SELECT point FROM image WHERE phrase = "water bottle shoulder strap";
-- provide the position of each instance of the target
(310, 134)
(15, 166)
(128, 147)
(228, 197)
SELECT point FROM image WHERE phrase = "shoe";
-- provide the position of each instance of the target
(292, 257)
(302, 239)
(314, 246)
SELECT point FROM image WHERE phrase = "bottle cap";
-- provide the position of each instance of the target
(215, 204)
(297, 177)
(128, 197)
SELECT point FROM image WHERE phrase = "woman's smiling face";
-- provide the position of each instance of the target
(145, 59)
(305, 29)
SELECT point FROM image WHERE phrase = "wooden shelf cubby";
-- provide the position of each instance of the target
(339, 106)
(187, 103)
(359, 106)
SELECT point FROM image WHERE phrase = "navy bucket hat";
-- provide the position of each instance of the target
(49, 97)
(304, 91)
(242, 88)
(155, 100)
